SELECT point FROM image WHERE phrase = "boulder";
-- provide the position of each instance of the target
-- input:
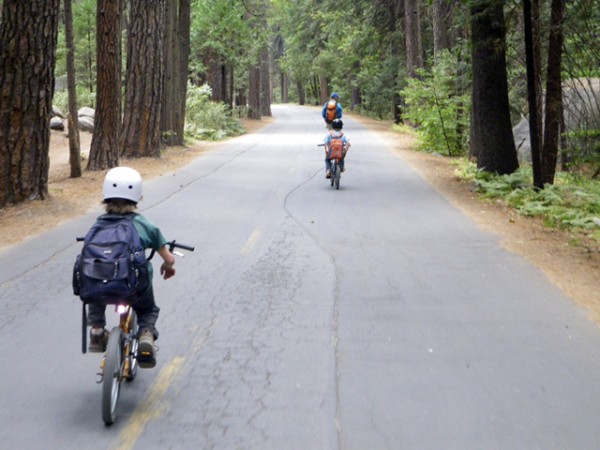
(86, 112)
(56, 123)
(86, 123)
(581, 103)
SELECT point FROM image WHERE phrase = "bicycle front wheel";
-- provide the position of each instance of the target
(111, 382)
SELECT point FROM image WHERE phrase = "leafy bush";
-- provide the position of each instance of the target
(377, 84)
(208, 120)
(84, 98)
(571, 203)
(436, 105)
(583, 151)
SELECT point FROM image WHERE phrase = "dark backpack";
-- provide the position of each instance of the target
(112, 265)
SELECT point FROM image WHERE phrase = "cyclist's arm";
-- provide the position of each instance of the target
(166, 269)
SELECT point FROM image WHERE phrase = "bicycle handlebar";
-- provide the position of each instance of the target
(174, 244)
(171, 244)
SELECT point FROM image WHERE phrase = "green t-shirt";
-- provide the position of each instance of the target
(150, 235)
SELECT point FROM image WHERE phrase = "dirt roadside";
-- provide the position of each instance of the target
(574, 269)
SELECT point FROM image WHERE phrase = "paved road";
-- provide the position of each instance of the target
(373, 317)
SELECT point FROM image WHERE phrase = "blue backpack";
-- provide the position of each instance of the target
(112, 265)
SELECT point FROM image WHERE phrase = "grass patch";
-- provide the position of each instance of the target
(572, 203)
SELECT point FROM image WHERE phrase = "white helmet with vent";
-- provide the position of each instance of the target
(123, 182)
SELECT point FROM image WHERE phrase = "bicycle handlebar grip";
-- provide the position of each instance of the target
(183, 247)
(174, 244)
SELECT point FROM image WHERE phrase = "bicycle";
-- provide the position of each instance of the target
(120, 361)
(336, 169)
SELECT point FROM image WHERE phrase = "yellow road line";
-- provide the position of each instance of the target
(151, 407)
(251, 242)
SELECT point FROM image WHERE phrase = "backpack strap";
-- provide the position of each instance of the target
(115, 217)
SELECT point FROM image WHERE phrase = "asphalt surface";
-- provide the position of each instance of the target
(373, 317)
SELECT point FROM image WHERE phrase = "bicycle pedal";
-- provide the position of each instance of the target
(146, 361)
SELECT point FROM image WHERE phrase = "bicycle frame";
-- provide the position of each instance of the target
(335, 168)
(127, 324)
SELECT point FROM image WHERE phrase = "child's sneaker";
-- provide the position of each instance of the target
(98, 340)
(145, 353)
(328, 174)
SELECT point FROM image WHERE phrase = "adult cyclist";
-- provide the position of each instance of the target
(332, 110)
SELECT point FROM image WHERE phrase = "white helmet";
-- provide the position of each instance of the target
(123, 182)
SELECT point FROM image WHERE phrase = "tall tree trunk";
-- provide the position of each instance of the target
(140, 134)
(301, 92)
(265, 82)
(533, 92)
(414, 46)
(323, 89)
(214, 75)
(285, 81)
(170, 105)
(27, 59)
(394, 9)
(553, 93)
(73, 123)
(104, 149)
(254, 93)
(442, 26)
(183, 38)
(492, 140)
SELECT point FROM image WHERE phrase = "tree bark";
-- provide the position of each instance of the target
(170, 106)
(554, 104)
(492, 140)
(104, 150)
(254, 93)
(301, 92)
(265, 82)
(284, 88)
(140, 134)
(27, 59)
(73, 123)
(442, 26)
(323, 88)
(183, 38)
(533, 93)
(394, 8)
(414, 46)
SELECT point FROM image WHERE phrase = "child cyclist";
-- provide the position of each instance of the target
(122, 191)
(334, 134)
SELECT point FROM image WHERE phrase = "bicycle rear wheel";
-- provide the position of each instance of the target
(333, 166)
(338, 174)
(111, 382)
(133, 331)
